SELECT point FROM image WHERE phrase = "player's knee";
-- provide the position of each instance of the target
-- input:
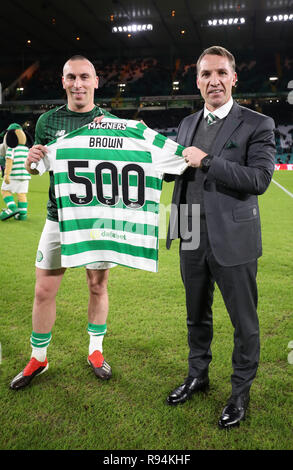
(44, 292)
(97, 284)
(98, 288)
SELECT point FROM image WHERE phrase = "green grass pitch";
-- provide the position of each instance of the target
(146, 345)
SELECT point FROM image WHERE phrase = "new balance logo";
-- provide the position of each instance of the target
(60, 133)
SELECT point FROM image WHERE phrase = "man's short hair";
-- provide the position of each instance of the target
(217, 50)
(80, 57)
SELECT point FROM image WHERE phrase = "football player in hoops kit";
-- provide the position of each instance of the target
(79, 81)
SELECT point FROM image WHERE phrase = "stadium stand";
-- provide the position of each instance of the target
(168, 85)
(152, 76)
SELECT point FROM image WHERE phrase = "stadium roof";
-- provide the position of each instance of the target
(34, 28)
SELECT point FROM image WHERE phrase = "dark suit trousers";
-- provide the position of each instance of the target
(200, 271)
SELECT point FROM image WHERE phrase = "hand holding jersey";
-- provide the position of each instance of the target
(36, 153)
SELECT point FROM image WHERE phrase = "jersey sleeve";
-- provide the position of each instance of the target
(10, 153)
(46, 163)
(167, 154)
(40, 134)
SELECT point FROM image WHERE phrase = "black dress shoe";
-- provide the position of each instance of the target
(234, 411)
(187, 389)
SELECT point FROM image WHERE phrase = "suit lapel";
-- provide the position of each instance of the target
(232, 121)
(191, 129)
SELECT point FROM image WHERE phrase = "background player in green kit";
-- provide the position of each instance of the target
(79, 81)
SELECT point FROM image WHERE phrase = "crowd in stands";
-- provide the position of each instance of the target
(141, 77)
(155, 77)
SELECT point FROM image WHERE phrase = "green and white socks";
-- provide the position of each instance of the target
(10, 203)
(39, 344)
(97, 333)
(22, 207)
(41, 341)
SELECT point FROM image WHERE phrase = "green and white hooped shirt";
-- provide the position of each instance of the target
(18, 155)
(108, 183)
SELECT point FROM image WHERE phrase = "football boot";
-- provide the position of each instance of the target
(100, 367)
(32, 369)
(7, 213)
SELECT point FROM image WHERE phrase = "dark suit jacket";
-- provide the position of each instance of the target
(242, 168)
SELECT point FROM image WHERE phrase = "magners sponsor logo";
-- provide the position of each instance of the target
(120, 126)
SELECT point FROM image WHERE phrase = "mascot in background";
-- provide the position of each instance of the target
(16, 179)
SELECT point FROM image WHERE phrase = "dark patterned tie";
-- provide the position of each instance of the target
(211, 119)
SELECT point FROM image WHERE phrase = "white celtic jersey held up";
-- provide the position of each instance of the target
(108, 182)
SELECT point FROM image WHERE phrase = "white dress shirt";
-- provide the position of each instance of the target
(221, 112)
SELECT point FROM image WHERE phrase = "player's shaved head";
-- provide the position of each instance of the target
(79, 57)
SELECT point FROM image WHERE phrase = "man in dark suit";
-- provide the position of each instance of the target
(230, 152)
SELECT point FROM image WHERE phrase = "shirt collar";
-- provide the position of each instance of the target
(222, 111)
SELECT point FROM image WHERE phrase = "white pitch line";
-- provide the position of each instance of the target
(284, 189)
